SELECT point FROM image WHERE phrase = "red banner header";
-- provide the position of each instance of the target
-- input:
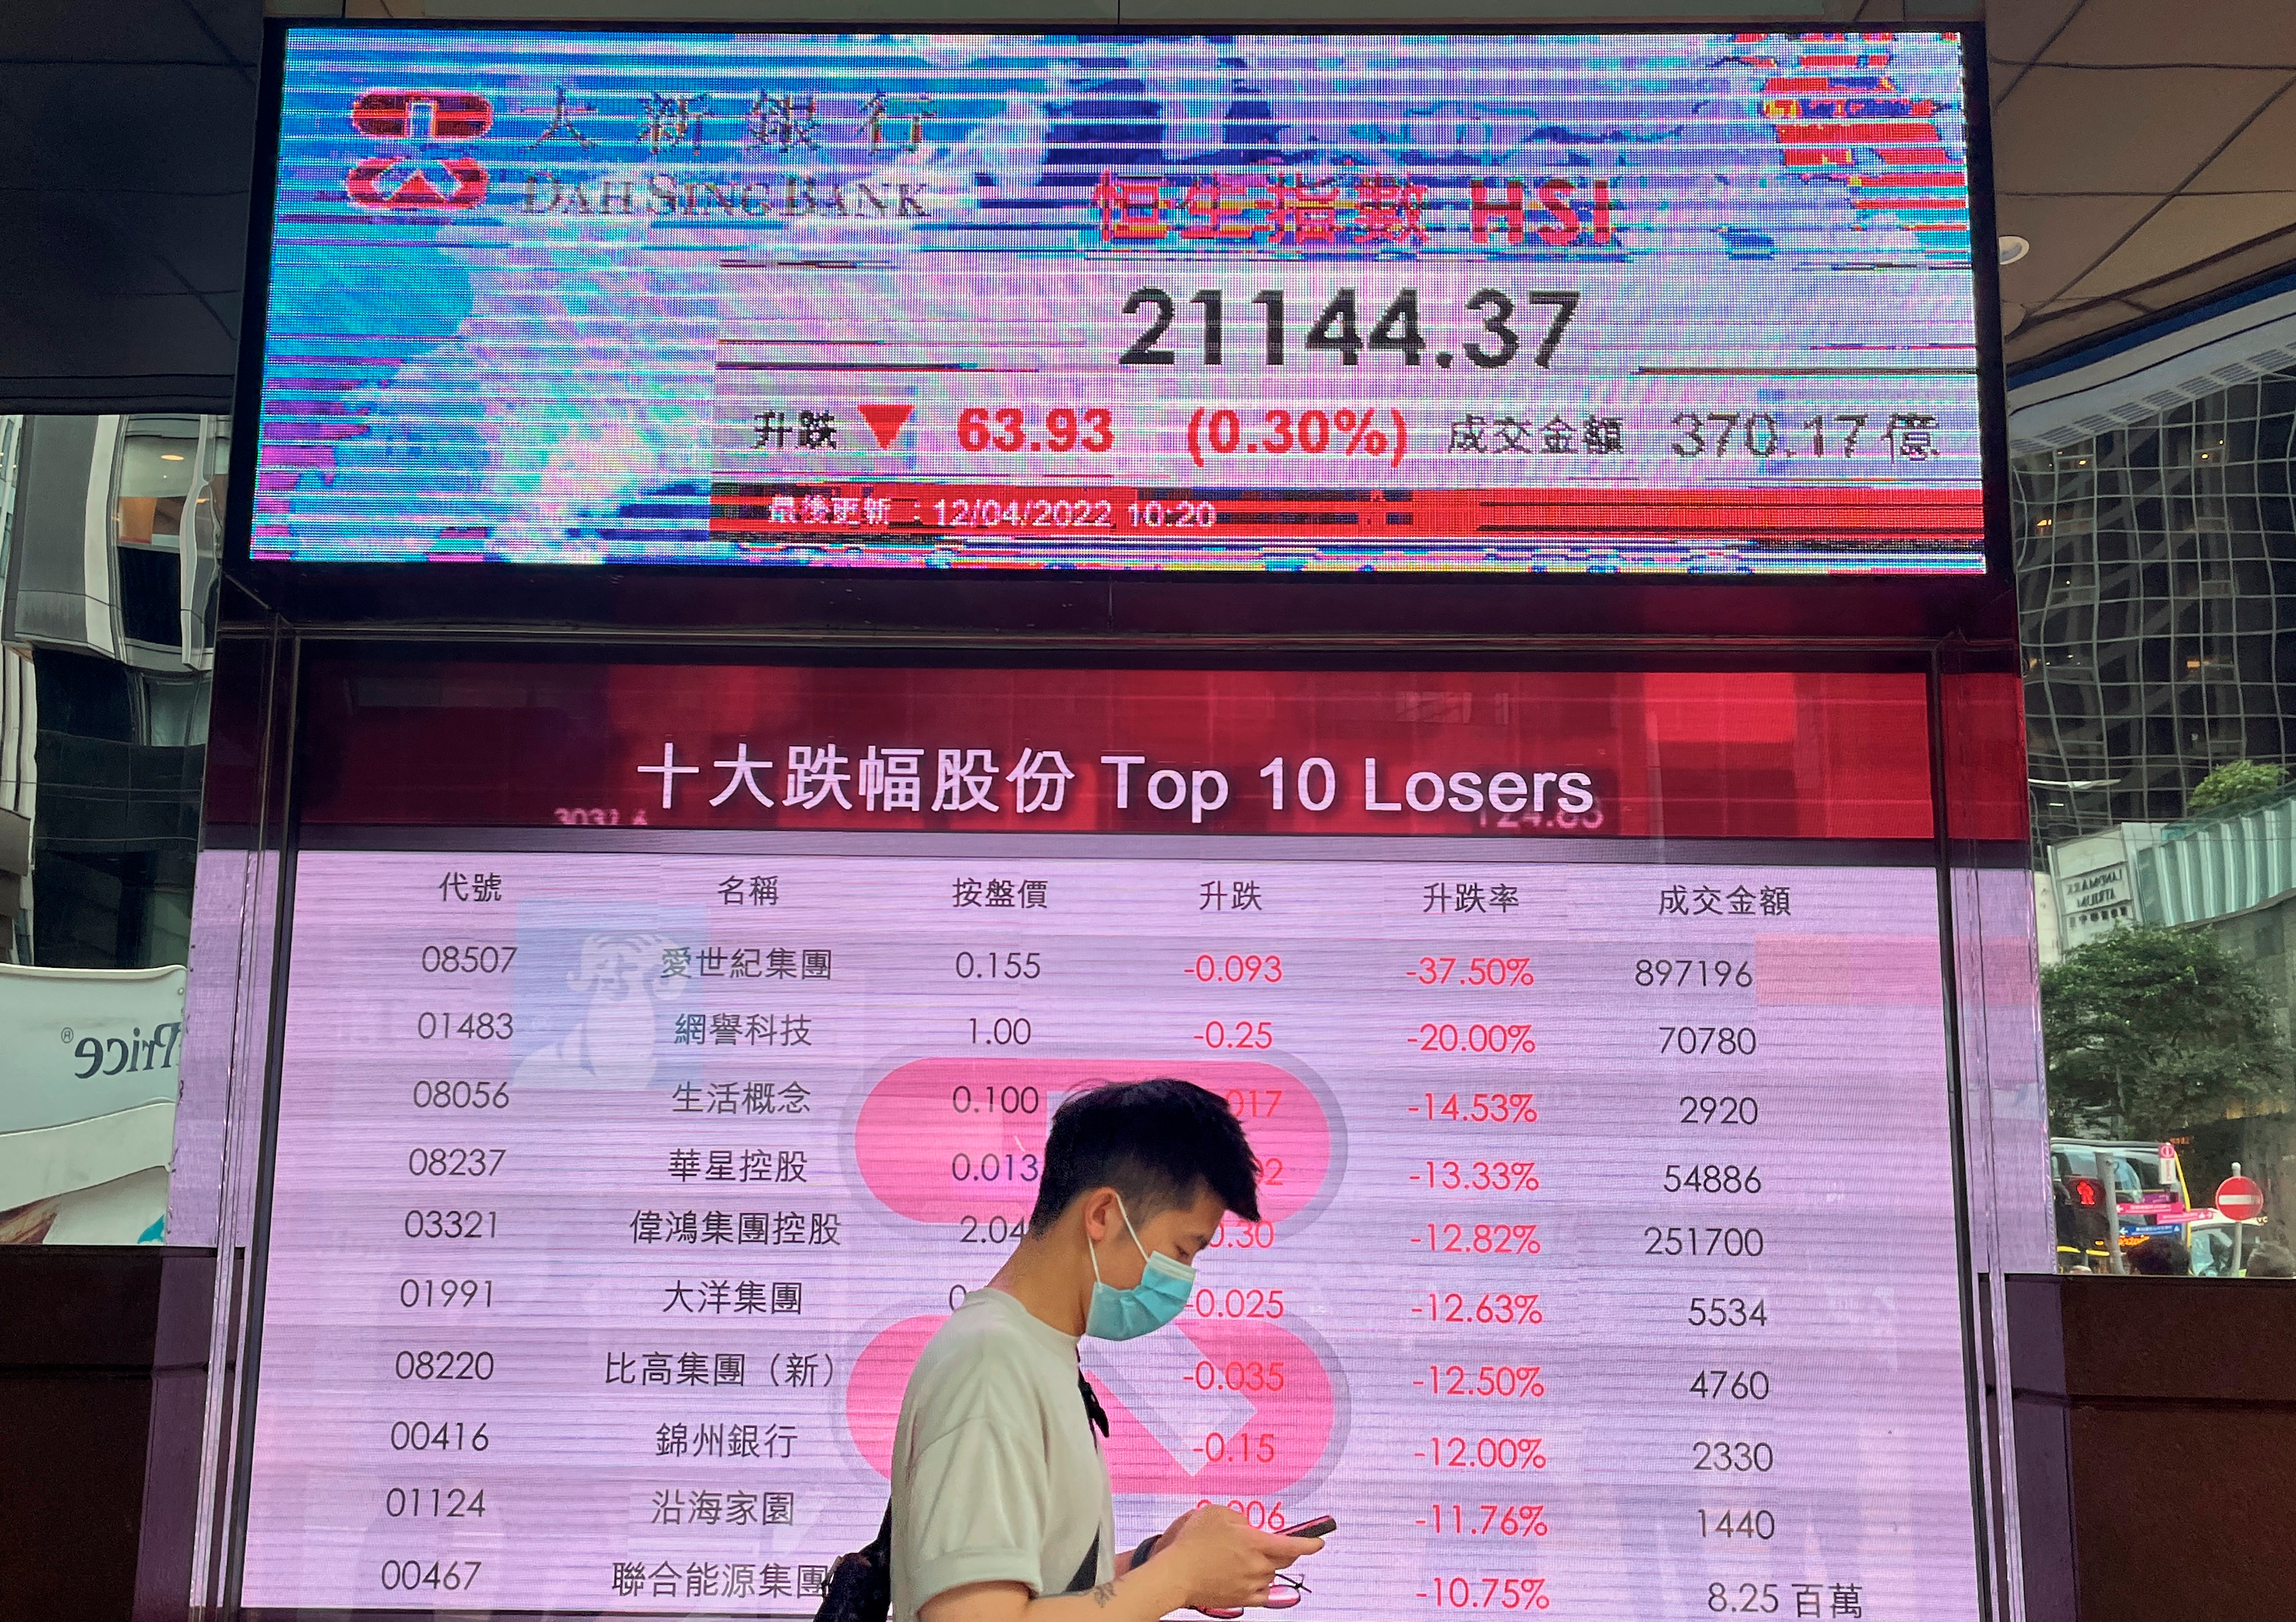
(1763, 755)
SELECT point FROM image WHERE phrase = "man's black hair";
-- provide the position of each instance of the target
(1155, 1143)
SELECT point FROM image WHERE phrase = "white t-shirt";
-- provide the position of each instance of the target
(997, 1475)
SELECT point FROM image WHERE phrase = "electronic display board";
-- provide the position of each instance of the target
(670, 1053)
(1685, 303)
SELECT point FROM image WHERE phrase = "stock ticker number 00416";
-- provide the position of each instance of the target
(1490, 340)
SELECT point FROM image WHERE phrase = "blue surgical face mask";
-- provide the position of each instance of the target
(1157, 1299)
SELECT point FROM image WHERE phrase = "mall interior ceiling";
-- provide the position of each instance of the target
(2140, 154)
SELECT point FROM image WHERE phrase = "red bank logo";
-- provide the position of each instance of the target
(418, 115)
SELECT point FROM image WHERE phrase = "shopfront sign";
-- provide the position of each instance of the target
(2092, 906)
(90, 1064)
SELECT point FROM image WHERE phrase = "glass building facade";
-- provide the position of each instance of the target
(2156, 574)
(110, 538)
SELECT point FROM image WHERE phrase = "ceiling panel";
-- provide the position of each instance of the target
(2015, 33)
(127, 131)
(2065, 232)
(161, 31)
(2046, 332)
(2262, 158)
(2187, 230)
(2147, 150)
(130, 122)
(2210, 276)
(2076, 129)
(2142, 33)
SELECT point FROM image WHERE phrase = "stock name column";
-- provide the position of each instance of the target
(729, 1357)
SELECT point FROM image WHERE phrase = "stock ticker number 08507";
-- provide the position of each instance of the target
(1490, 339)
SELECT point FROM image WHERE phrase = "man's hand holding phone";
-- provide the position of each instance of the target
(1228, 1563)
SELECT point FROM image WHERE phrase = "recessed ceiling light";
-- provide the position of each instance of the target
(2013, 248)
(169, 457)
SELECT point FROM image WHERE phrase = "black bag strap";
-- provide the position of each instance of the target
(860, 1586)
(1092, 1411)
(1089, 1574)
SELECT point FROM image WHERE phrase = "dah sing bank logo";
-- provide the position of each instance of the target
(401, 180)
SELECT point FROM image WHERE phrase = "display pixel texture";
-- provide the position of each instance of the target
(654, 1077)
(603, 1242)
(1265, 302)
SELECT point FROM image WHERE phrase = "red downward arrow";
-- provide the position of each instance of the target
(886, 422)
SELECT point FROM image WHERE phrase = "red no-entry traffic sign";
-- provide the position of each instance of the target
(2240, 1199)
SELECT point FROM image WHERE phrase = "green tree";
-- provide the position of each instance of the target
(2228, 785)
(2150, 1030)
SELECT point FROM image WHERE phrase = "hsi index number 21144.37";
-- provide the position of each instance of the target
(1486, 333)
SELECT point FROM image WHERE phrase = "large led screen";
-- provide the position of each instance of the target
(659, 1072)
(1271, 302)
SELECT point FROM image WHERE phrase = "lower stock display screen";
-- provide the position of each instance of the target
(1606, 1265)
(1490, 301)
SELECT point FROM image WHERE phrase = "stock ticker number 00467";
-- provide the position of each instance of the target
(1490, 340)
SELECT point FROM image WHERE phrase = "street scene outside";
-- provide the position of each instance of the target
(2170, 1065)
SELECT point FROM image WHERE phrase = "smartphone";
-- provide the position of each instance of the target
(1322, 1526)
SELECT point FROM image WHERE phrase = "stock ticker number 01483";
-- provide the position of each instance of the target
(1490, 340)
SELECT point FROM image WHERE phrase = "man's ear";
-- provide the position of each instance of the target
(1097, 1207)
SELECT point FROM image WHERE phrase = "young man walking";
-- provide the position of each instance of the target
(1002, 1509)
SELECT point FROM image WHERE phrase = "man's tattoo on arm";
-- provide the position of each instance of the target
(1102, 1594)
